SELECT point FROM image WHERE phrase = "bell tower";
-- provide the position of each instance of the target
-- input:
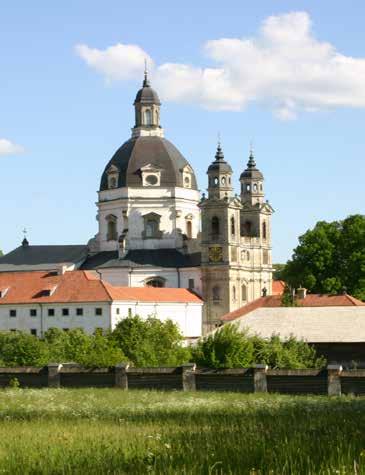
(220, 215)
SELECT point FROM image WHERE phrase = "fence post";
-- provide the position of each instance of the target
(334, 379)
(188, 376)
(121, 376)
(259, 378)
(54, 377)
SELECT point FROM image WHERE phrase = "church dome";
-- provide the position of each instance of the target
(143, 151)
(147, 95)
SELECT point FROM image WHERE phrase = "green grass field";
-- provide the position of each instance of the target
(111, 431)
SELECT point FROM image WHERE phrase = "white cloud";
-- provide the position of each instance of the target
(285, 67)
(9, 148)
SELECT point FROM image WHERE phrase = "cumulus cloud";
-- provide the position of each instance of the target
(284, 66)
(9, 148)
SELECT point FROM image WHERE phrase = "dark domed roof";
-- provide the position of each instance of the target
(141, 151)
(252, 171)
(147, 95)
(219, 165)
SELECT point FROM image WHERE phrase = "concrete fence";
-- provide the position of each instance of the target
(259, 379)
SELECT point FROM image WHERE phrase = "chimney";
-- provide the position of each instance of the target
(301, 293)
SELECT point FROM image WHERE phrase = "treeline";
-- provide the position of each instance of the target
(150, 342)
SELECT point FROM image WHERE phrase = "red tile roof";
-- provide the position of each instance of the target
(278, 287)
(80, 286)
(311, 300)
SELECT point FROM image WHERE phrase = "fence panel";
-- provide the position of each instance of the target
(297, 382)
(225, 380)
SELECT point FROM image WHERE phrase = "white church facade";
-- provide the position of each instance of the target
(155, 229)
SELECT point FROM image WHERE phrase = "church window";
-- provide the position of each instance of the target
(187, 182)
(152, 226)
(261, 187)
(264, 231)
(234, 293)
(244, 293)
(255, 187)
(148, 117)
(215, 226)
(248, 228)
(248, 187)
(151, 179)
(155, 282)
(111, 228)
(223, 180)
(191, 284)
(233, 226)
(215, 181)
(216, 293)
(248, 255)
(189, 229)
(112, 182)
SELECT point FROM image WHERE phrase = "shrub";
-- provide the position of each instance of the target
(22, 349)
(150, 342)
(229, 347)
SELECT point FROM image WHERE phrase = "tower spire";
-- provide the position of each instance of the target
(146, 82)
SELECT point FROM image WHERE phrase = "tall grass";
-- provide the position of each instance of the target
(110, 431)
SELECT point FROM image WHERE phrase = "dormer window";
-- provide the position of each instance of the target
(113, 177)
(148, 117)
(151, 175)
(187, 172)
(49, 291)
(3, 292)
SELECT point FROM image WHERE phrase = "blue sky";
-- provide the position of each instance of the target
(63, 112)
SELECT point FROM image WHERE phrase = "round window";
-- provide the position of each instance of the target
(187, 180)
(151, 179)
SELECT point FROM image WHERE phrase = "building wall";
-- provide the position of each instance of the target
(175, 206)
(188, 316)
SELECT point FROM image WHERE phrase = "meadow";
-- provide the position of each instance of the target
(61, 431)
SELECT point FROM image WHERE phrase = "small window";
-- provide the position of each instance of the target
(51, 312)
(65, 312)
(112, 230)
(191, 284)
(255, 187)
(33, 312)
(215, 225)
(234, 293)
(33, 331)
(112, 182)
(248, 255)
(155, 282)
(98, 311)
(248, 187)
(129, 312)
(148, 117)
(215, 181)
(216, 293)
(244, 293)
(187, 182)
(117, 311)
(264, 230)
(79, 311)
(12, 313)
(223, 180)
(233, 227)
(189, 229)
(151, 179)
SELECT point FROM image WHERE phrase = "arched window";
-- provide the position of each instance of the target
(189, 229)
(112, 233)
(248, 187)
(248, 255)
(155, 282)
(215, 226)
(234, 293)
(148, 117)
(215, 181)
(233, 226)
(244, 293)
(216, 293)
(264, 233)
(248, 228)
(223, 180)
(255, 187)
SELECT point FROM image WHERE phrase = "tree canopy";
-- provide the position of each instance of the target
(330, 258)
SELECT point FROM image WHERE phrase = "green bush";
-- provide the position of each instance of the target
(22, 349)
(230, 348)
(150, 342)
